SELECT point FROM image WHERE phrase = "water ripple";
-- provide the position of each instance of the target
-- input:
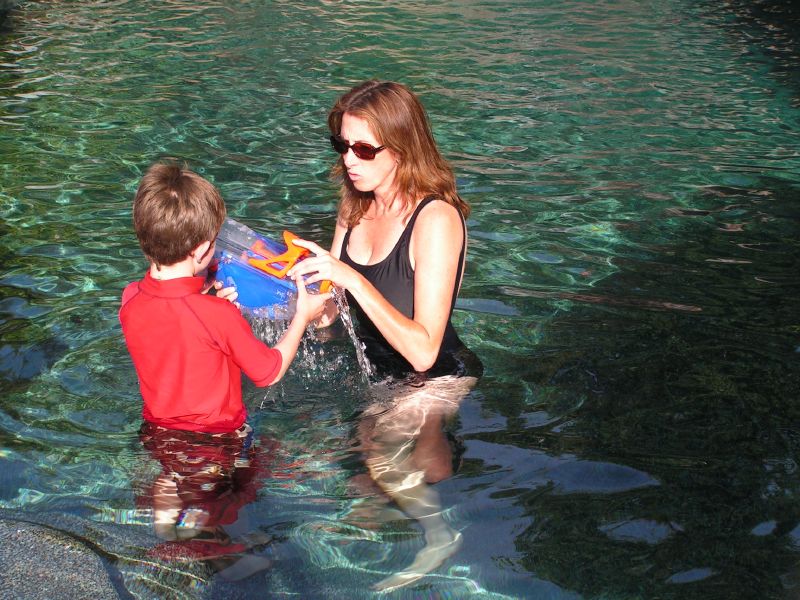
(632, 168)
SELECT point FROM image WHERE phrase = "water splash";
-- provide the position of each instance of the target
(312, 360)
(312, 363)
(340, 299)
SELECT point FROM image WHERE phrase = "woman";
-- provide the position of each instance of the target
(398, 251)
(400, 242)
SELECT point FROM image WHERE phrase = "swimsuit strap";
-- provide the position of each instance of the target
(404, 237)
(407, 234)
(410, 228)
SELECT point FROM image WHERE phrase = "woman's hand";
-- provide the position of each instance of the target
(322, 266)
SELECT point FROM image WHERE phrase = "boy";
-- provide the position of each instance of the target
(190, 348)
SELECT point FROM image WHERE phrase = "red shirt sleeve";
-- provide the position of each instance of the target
(129, 292)
(236, 338)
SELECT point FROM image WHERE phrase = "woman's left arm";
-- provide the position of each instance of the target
(434, 252)
(436, 244)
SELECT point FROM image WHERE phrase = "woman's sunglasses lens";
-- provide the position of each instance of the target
(360, 149)
(363, 151)
(338, 145)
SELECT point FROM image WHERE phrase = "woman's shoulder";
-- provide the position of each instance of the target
(438, 213)
(438, 224)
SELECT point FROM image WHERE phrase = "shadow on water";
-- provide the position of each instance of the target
(682, 368)
(771, 27)
(26, 349)
(6, 6)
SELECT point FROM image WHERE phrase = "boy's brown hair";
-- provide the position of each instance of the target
(174, 211)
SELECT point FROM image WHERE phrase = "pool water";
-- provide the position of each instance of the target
(634, 173)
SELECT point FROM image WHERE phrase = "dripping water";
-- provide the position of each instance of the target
(347, 320)
(312, 362)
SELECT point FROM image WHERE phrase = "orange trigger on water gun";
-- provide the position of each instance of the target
(287, 259)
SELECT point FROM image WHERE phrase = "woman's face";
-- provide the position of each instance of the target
(375, 175)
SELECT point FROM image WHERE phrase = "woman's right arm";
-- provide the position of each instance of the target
(338, 239)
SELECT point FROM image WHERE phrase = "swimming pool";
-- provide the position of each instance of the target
(633, 169)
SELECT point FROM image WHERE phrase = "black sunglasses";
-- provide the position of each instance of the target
(362, 150)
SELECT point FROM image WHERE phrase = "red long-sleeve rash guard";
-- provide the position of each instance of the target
(189, 350)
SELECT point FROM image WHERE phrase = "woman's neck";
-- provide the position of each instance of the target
(390, 205)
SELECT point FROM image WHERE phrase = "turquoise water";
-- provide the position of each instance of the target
(634, 171)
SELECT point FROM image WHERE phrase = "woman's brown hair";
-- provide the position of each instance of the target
(399, 122)
(174, 211)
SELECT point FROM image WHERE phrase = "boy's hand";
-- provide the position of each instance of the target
(329, 315)
(226, 293)
(310, 307)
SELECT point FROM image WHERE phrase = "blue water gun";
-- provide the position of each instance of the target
(257, 266)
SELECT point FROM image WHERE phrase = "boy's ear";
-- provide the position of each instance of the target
(200, 252)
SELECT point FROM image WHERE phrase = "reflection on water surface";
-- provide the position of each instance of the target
(633, 171)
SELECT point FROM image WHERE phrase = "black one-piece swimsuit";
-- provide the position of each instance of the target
(393, 277)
